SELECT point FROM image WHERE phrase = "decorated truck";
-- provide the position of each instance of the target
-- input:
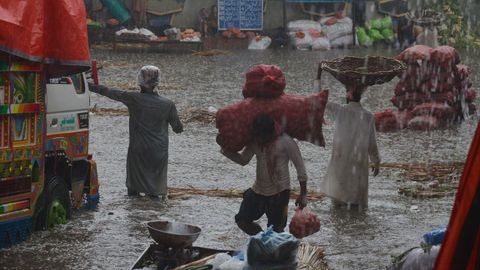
(45, 167)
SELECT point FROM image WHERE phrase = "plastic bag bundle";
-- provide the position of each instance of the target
(341, 42)
(363, 38)
(270, 247)
(341, 28)
(438, 110)
(379, 30)
(389, 120)
(321, 44)
(301, 40)
(259, 43)
(423, 123)
(303, 25)
(304, 223)
(415, 54)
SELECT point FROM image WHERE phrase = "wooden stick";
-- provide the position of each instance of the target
(195, 263)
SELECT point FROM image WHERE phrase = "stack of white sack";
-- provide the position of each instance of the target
(142, 32)
(339, 30)
(306, 35)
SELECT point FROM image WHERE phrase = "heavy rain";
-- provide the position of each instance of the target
(413, 193)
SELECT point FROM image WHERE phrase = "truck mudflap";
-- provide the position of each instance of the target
(15, 231)
(93, 196)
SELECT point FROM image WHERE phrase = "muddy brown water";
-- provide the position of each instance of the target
(113, 236)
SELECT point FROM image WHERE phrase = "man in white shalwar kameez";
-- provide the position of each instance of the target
(354, 143)
(150, 116)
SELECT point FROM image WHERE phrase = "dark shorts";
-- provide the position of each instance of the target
(255, 205)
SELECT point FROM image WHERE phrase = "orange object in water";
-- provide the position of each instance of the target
(304, 223)
(227, 34)
(162, 38)
(300, 34)
(235, 30)
(113, 22)
(331, 21)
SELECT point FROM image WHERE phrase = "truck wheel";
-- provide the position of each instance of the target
(57, 203)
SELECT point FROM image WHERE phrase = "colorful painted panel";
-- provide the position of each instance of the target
(4, 131)
(23, 87)
(14, 206)
(25, 66)
(23, 129)
(74, 144)
(4, 88)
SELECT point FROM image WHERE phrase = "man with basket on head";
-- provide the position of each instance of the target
(354, 145)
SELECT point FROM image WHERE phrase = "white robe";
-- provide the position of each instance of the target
(354, 141)
(429, 37)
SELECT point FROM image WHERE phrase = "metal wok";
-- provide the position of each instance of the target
(173, 234)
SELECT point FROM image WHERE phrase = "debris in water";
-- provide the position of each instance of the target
(210, 52)
(179, 192)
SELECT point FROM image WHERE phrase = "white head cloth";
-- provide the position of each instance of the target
(148, 76)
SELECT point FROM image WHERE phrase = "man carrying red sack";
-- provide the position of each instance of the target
(271, 191)
(354, 142)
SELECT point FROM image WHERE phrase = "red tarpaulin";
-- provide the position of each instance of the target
(461, 246)
(52, 32)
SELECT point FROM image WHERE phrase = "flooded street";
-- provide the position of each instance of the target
(113, 236)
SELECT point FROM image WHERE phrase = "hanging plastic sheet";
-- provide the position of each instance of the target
(53, 32)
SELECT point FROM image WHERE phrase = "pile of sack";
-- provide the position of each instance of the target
(433, 92)
(376, 30)
(237, 33)
(329, 32)
(136, 34)
(301, 117)
(306, 35)
(338, 29)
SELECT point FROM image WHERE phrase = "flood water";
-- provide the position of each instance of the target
(113, 236)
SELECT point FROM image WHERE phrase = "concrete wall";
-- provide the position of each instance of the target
(273, 16)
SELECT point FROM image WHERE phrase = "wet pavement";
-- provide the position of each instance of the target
(113, 236)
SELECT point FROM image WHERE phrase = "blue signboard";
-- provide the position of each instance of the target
(243, 14)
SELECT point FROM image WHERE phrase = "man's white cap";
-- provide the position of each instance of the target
(148, 76)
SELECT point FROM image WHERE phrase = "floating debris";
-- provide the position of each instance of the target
(211, 52)
(187, 116)
(109, 111)
(441, 172)
(178, 192)
(311, 257)
(422, 192)
(197, 115)
(432, 180)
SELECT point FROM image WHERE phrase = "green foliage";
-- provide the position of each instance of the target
(454, 30)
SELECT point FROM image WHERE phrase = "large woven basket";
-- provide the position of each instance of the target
(367, 70)
(426, 17)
